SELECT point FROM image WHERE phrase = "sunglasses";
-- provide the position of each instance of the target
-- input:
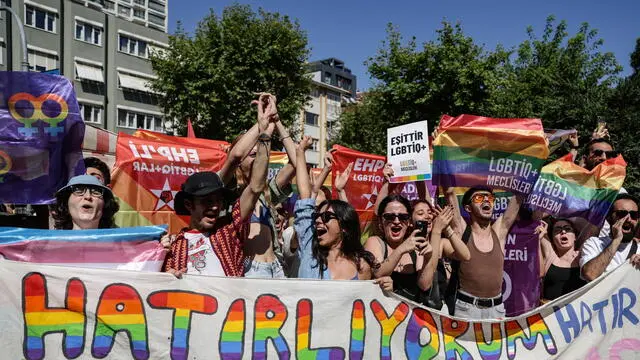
(622, 213)
(479, 198)
(391, 217)
(610, 154)
(93, 191)
(325, 216)
(560, 229)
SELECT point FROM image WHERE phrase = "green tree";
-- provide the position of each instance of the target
(624, 120)
(565, 81)
(211, 76)
(450, 75)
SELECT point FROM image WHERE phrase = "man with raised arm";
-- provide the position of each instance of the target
(213, 244)
(475, 290)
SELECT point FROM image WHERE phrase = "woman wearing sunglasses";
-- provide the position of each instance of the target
(85, 204)
(329, 235)
(560, 259)
(404, 253)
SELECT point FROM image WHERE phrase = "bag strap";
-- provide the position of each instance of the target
(634, 248)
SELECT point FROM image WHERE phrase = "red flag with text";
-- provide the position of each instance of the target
(151, 167)
(364, 182)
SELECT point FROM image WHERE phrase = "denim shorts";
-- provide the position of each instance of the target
(262, 270)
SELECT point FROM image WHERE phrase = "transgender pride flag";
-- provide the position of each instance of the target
(133, 248)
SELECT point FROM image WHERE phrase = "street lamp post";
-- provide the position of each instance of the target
(25, 57)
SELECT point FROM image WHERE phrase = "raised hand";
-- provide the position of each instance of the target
(542, 229)
(304, 143)
(343, 178)
(573, 139)
(387, 172)
(328, 160)
(267, 110)
(616, 229)
(443, 219)
(600, 132)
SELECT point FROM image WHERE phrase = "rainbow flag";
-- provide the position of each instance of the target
(565, 189)
(500, 153)
(135, 248)
(558, 137)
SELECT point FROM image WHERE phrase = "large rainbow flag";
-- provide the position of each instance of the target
(135, 248)
(500, 153)
(151, 167)
(565, 189)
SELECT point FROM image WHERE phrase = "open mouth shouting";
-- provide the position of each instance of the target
(396, 230)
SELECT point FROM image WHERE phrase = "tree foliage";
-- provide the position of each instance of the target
(451, 75)
(211, 76)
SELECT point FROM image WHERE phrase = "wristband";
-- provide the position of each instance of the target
(264, 137)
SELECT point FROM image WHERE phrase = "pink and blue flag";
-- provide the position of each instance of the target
(41, 135)
(132, 248)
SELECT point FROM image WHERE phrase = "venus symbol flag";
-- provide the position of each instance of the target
(41, 134)
(151, 167)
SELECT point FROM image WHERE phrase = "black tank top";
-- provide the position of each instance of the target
(560, 281)
(406, 284)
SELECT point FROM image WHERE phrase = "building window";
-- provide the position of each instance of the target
(334, 97)
(109, 5)
(138, 120)
(133, 46)
(40, 61)
(2, 52)
(139, 2)
(88, 33)
(311, 118)
(327, 77)
(138, 13)
(157, 6)
(39, 19)
(315, 92)
(91, 113)
(124, 10)
(315, 144)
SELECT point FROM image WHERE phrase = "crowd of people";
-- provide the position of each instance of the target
(424, 251)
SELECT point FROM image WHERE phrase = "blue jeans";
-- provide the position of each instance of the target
(262, 270)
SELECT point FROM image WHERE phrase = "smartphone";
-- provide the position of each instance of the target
(422, 226)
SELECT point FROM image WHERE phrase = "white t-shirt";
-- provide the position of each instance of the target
(202, 260)
(594, 246)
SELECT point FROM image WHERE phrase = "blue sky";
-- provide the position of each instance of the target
(352, 30)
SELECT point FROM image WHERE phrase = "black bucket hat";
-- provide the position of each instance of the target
(199, 184)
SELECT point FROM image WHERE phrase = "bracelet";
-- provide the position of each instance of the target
(282, 138)
(264, 138)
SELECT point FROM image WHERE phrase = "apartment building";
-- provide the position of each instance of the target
(332, 86)
(102, 46)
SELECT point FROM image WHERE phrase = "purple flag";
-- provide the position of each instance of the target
(521, 287)
(410, 189)
(41, 135)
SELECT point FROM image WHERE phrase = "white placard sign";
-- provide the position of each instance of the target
(408, 152)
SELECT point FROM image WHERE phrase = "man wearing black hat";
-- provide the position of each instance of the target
(213, 243)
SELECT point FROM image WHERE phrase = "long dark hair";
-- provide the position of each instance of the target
(352, 248)
(63, 220)
(394, 198)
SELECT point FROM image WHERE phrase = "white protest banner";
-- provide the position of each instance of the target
(58, 312)
(408, 152)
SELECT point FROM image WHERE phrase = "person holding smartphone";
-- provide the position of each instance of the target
(403, 251)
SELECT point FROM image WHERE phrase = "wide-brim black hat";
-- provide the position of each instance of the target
(199, 184)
